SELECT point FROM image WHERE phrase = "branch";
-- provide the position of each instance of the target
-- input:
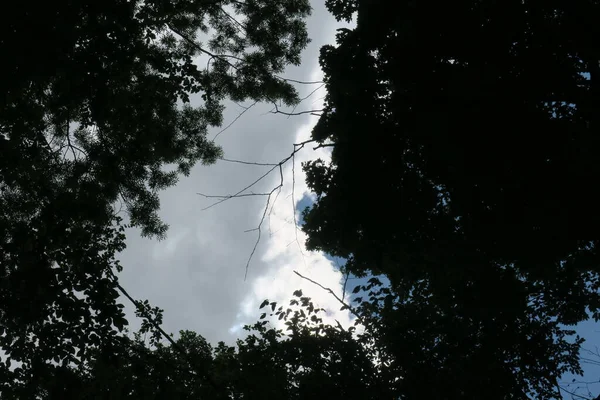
(230, 196)
(573, 394)
(276, 110)
(294, 206)
(233, 122)
(243, 190)
(300, 82)
(297, 147)
(242, 28)
(350, 308)
(306, 97)
(240, 193)
(248, 162)
(262, 219)
(322, 145)
(180, 349)
(345, 283)
(202, 50)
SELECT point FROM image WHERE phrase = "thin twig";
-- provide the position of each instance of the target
(230, 196)
(233, 122)
(242, 106)
(270, 212)
(294, 206)
(573, 394)
(262, 219)
(241, 191)
(306, 97)
(322, 145)
(300, 82)
(345, 283)
(276, 110)
(248, 162)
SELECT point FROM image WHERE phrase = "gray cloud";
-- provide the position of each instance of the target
(197, 274)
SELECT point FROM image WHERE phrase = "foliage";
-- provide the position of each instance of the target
(95, 110)
(309, 359)
(465, 142)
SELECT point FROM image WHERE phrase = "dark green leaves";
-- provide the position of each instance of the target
(457, 163)
(92, 128)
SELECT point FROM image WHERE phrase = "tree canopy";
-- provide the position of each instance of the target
(310, 359)
(95, 111)
(465, 142)
(464, 138)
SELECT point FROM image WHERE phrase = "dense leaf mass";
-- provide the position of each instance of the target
(465, 150)
(310, 359)
(95, 112)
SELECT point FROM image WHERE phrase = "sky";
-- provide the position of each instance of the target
(197, 274)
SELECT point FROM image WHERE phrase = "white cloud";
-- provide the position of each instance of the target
(285, 251)
(197, 274)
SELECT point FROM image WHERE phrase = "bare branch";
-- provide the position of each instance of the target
(306, 97)
(243, 190)
(573, 394)
(230, 196)
(270, 212)
(294, 206)
(297, 147)
(276, 110)
(242, 106)
(299, 82)
(248, 162)
(240, 193)
(233, 122)
(345, 282)
(322, 145)
(262, 219)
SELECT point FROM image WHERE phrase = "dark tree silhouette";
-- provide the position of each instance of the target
(310, 359)
(95, 105)
(463, 167)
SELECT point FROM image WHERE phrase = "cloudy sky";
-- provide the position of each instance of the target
(197, 274)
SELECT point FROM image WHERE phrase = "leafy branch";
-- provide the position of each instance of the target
(330, 291)
(143, 309)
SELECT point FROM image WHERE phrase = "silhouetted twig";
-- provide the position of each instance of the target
(276, 110)
(235, 119)
(248, 162)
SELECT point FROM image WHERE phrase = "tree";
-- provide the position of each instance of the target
(464, 154)
(95, 111)
(309, 359)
